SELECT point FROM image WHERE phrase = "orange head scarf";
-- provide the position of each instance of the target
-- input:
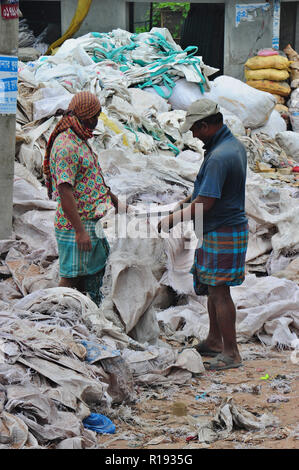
(84, 105)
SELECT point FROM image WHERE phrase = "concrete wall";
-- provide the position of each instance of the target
(103, 16)
(244, 40)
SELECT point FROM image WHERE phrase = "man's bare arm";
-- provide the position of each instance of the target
(180, 205)
(207, 202)
(119, 206)
(188, 213)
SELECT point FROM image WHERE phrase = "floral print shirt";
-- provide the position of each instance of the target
(72, 161)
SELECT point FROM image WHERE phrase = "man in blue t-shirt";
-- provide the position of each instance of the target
(219, 262)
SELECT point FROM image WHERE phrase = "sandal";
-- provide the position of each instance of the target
(228, 363)
(204, 350)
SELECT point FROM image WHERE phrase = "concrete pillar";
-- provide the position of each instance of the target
(8, 47)
(103, 16)
(244, 35)
(296, 45)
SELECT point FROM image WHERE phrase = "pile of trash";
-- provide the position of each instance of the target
(68, 356)
(275, 159)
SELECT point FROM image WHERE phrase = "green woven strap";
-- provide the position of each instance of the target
(132, 130)
(174, 149)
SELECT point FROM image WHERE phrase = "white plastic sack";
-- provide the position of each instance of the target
(233, 122)
(36, 228)
(180, 246)
(190, 156)
(252, 106)
(259, 301)
(259, 207)
(265, 306)
(145, 103)
(294, 118)
(53, 99)
(273, 126)
(293, 105)
(133, 289)
(184, 93)
(294, 100)
(289, 142)
(28, 197)
(171, 122)
(13, 431)
(31, 154)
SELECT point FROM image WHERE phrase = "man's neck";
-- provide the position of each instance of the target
(212, 134)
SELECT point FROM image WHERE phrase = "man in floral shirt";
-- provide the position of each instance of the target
(74, 178)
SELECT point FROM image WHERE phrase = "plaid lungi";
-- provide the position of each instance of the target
(74, 262)
(221, 258)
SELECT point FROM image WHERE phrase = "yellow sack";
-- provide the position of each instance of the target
(269, 62)
(113, 126)
(267, 74)
(278, 88)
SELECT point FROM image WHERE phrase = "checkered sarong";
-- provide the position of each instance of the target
(74, 262)
(221, 258)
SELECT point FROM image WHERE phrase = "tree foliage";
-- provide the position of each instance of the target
(183, 8)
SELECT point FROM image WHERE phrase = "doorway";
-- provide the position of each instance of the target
(204, 28)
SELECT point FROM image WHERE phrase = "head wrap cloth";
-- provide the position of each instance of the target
(84, 105)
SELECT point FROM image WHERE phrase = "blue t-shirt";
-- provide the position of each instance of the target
(222, 176)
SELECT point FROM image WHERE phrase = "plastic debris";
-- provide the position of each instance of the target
(99, 423)
(201, 397)
(277, 399)
(229, 416)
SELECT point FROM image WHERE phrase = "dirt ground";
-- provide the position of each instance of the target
(266, 375)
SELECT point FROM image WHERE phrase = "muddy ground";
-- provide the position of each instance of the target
(267, 375)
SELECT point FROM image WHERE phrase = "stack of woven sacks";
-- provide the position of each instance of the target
(294, 100)
(269, 71)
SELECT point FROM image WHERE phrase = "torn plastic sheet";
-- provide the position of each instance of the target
(98, 352)
(13, 431)
(228, 418)
(163, 365)
(67, 299)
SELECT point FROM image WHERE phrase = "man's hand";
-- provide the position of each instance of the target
(83, 241)
(180, 205)
(165, 224)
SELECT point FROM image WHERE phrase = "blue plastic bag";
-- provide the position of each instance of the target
(99, 423)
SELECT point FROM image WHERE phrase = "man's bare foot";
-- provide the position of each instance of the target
(222, 362)
(207, 348)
